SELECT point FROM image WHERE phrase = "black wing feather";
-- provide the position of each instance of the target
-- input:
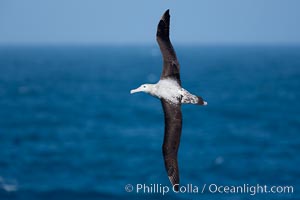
(171, 67)
(173, 126)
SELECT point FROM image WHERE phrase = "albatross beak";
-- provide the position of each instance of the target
(134, 91)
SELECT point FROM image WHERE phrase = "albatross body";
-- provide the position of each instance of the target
(168, 89)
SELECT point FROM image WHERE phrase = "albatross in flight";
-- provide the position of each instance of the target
(168, 89)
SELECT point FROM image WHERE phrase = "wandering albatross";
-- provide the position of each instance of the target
(168, 89)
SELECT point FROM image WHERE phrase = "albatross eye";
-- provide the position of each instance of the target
(144, 86)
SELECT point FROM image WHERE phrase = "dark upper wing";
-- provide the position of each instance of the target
(171, 65)
(173, 124)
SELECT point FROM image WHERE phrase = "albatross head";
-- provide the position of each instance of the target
(147, 88)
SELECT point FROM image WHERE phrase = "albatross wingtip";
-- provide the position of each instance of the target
(166, 14)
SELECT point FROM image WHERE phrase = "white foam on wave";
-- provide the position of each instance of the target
(8, 185)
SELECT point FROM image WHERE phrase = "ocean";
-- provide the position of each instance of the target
(70, 130)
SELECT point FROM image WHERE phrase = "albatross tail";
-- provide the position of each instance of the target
(201, 101)
(188, 98)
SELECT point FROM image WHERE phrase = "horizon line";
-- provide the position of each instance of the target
(147, 44)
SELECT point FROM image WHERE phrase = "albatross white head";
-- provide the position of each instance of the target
(147, 88)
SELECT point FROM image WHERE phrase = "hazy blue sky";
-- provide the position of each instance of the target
(135, 21)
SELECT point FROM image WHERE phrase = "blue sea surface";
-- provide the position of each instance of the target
(69, 128)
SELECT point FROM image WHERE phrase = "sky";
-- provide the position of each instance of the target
(135, 21)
